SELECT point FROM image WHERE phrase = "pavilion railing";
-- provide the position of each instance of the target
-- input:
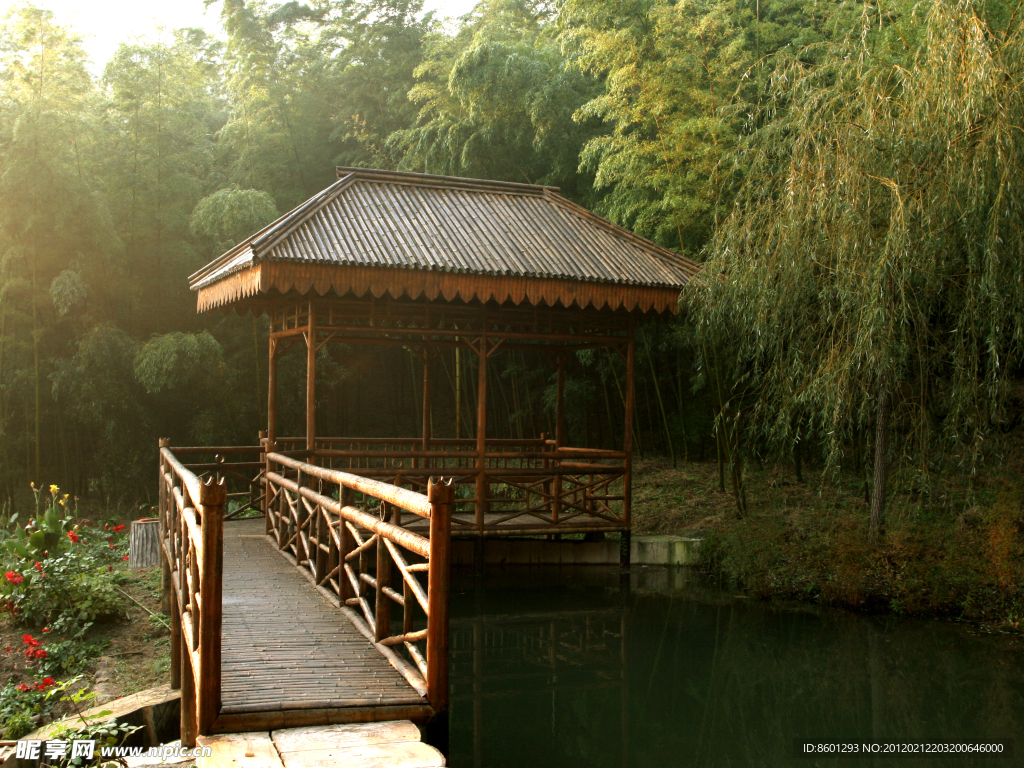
(240, 466)
(192, 540)
(533, 486)
(346, 531)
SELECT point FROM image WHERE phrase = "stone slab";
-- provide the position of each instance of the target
(239, 750)
(406, 754)
(291, 740)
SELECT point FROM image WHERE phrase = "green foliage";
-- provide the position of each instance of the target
(875, 250)
(19, 704)
(497, 100)
(58, 571)
(669, 70)
(178, 360)
(229, 215)
(78, 727)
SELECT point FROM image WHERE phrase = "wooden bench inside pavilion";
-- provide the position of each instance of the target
(332, 606)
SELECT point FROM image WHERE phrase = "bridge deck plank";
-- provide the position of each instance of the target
(284, 645)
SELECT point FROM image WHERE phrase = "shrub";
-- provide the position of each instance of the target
(19, 704)
(55, 567)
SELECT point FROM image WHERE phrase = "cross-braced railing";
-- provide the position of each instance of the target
(347, 532)
(529, 487)
(192, 540)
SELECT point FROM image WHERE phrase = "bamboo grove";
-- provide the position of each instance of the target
(851, 193)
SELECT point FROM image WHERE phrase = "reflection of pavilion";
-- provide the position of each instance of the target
(557, 653)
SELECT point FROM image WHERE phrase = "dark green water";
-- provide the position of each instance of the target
(582, 667)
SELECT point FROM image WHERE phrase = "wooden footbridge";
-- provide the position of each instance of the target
(332, 607)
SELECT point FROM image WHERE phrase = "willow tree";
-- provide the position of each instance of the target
(870, 277)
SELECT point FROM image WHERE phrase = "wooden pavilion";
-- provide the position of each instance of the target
(427, 262)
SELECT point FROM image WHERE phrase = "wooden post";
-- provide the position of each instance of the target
(212, 496)
(556, 501)
(272, 392)
(426, 404)
(559, 398)
(175, 643)
(311, 383)
(188, 698)
(440, 494)
(322, 537)
(627, 448)
(271, 444)
(481, 439)
(347, 545)
(382, 610)
(165, 567)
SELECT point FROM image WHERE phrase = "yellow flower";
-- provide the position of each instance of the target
(54, 489)
(33, 486)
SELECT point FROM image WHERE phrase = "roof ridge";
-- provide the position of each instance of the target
(433, 180)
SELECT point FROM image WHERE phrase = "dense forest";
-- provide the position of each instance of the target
(848, 172)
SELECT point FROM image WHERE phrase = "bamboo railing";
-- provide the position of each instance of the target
(352, 551)
(530, 486)
(192, 540)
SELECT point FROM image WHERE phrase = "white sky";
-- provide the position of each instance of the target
(105, 23)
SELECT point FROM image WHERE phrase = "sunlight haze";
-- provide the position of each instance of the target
(104, 25)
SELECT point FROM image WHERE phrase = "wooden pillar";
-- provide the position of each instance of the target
(271, 444)
(559, 398)
(426, 404)
(176, 665)
(627, 448)
(481, 439)
(311, 382)
(272, 391)
(212, 497)
(188, 698)
(382, 608)
(441, 494)
(165, 567)
(556, 501)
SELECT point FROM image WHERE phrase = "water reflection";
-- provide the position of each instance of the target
(582, 667)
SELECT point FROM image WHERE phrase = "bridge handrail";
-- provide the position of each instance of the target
(408, 500)
(332, 539)
(192, 544)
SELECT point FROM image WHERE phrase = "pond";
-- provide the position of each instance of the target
(589, 667)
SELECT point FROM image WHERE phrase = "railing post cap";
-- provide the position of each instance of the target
(164, 442)
(440, 490)
(213, 493)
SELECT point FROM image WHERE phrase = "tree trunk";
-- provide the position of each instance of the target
(881, 469)
(144, 546)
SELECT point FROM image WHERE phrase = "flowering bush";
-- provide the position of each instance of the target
(19, 704)
(58, 566)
